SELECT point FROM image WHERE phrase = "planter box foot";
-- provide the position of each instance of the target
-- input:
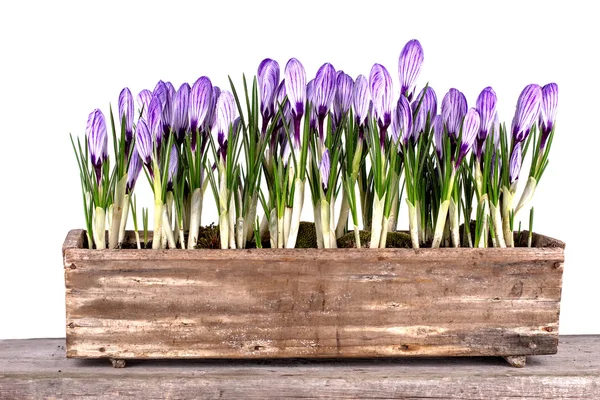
(118, 362)
(516, 361)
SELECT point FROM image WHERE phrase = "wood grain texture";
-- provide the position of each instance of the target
(37, 369)
(265, 303)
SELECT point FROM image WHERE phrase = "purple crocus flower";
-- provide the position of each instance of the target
(380, 83)
(405, 119)
(211, 115)
(343, 96)
(426, 109)
(167, 111)
(161, 91)
(486, 107)
(409, 66)
(143, 145)
(360, 102)
(97, 139)
(173, 166)
(126, 113)
(516, 159)
(454, 108)
(143, 100)
(181, 120)
(133, 172)
(295, 87)
(324, 91)
(548, 111)
(200, 105)
(226, 114)
(325, 169)
(527, 112)
(310, 96)
(438, 135)
(154, 121)
(470, 129)
(268, 79)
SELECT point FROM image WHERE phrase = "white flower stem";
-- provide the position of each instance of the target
(325, 222)
(280, 230)
(167, 231)
(527, 195)
(158, 218)
(497, 221)
(384, 232)
(273, 231)
(507, 203)
(318, 224)
(194, 219)
(124, 219)
(413, 224)
(99, 228)
(232, 223)
(454, 223)
(377, 220)
(296, 213)
(287, 221)
(117, 213)
(332, 235)
(357, 236)
(440, 223)
(224, 229)
(343, 218)
(240, 233)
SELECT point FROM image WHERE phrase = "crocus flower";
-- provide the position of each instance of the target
(310, 96)
(126, 113)
(515, 163)
(325, 168)
(380, 83)
(409, 66)
(133, 172)
(527, 112)
(200, 102)
(154, 121)
(160, 91)
(181, 121)
(173, 166)
(226, 114)
(268, 79)
(143, 101)
(167, 111)
(211, 116)
(97, 140)
(486, 107)
(454, 108)
(324, 92)
(548, 111)
(427, 108)
(343, 96)
(404, 118)
(360, 100)
(143, 145)
(470, 129)
(295, 86)
(438, 135)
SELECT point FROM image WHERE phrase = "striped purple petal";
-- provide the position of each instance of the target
(427, 108)
(173, 165)
(343, 95)
(226, 114)
(409, 66)
(126, 112)
(527, 112)
(405, 119)
(548, 110)
(381, 86)
(143, 142)
(200, 102)
(181, 106)
(268, 79)
(360, 99)
(470, 129)
(310, 96)
(324, 89)
(325, 169)
(438, 135)
(168, 106)
(133, 171)
(486, 107)
(143, 101)
(211, 115)
(454, 108)
(295, 86)
(154, 120)
(97, 139)
(516, 158)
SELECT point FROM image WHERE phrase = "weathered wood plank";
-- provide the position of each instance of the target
(38, 369)
(258, 303)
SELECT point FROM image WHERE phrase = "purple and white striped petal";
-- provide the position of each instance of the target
(168, 106)
(486, 107)
(470, 129)
(160, 90)
(226, 114)
(426, 109)
(325, 169)
(405, 119)
(133, 171)
(361, 98)
(200, 101)
(409, 66)
(310, 96)
(295, 86)
(143, 142)
(173, 165)
(548, 110)
(343, 95)
(527, 112)
(143, 102)
(97, 138)
(324, 90)
(154, 120)
(268, 79)
(438, 135)
(281, 101)
(211, 115)
(454, 108)
(126, 111)
(516, 158)
(381, 86)
(180, 112)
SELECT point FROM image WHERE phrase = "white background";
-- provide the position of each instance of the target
(59, 60)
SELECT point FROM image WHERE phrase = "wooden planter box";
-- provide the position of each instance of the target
(265, 303)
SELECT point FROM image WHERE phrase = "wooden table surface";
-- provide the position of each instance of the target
(38, 369)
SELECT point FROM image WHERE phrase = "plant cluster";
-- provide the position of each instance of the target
(361, 148)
